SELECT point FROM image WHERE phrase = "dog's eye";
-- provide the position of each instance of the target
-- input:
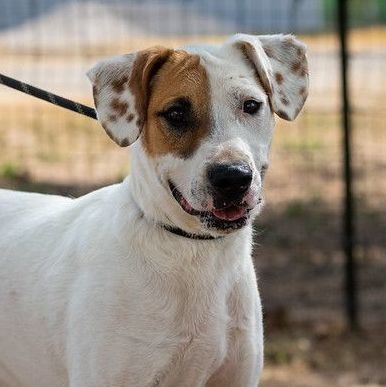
(179, 115)
(175, 115)
(251, 106)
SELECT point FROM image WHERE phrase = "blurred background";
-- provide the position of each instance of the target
(299, 252)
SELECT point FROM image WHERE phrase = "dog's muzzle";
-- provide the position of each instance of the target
(229, 184)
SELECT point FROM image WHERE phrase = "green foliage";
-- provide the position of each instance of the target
(10, 170)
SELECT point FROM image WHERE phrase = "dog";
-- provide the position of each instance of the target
(150, 282)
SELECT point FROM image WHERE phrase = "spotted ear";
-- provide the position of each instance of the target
(121, 88)
(281, 64)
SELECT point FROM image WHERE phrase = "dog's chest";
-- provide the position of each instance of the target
(180, 316)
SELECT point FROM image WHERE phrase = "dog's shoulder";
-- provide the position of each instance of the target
(14, 203)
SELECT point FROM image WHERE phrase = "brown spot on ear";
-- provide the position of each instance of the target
(130, 117)
(288, 42)
(118, 85)
(296, 66)
(284, 101)
(181, 77)
(283, 115)
(124, 142)
(119, 107)
(279, 78)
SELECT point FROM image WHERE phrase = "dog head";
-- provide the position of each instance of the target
(204, 117)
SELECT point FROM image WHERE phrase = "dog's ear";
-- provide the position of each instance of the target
(121, 88)
(281, 64)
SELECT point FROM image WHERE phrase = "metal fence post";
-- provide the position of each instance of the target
(350, 286)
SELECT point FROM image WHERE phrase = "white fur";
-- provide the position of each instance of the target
(94, 292)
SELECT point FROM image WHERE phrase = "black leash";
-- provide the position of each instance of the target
(47, 96)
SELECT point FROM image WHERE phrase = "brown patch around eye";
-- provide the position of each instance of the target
(119, 107)
(279, 78)
(181, 77)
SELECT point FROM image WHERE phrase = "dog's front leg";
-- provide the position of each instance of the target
(244, 360)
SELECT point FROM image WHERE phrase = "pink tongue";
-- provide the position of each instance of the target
(231, 213)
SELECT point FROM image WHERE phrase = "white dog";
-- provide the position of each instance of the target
(150, 282)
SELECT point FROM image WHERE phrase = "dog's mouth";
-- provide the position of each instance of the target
(228, 216)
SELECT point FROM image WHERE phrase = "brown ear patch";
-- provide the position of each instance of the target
(119, 107)
(119, 85)
(279, 78)
(182, 76)
(283, 114)
(284, 101)
(130, 117)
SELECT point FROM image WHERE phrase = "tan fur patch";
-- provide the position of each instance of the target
(146, 65)
(181, 76)
(228, 155)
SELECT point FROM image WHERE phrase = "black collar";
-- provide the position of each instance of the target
(180, 232)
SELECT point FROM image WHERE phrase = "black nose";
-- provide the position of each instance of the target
(230, 180)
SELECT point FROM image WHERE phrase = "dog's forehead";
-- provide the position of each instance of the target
(229, 72)
(219, 61)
